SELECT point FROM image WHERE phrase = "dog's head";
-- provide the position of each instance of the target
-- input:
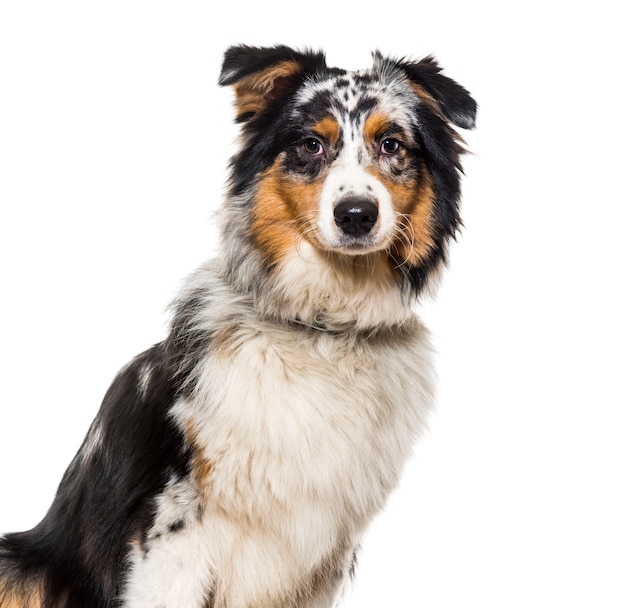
(354, 164)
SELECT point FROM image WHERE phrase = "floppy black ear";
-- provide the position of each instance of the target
(453, 100)
(261, 75)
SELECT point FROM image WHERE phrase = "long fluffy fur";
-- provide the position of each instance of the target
(237, 463)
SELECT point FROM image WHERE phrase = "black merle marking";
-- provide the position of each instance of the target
(176, 526)
(106, 496)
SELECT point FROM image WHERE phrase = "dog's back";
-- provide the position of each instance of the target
(77, 555)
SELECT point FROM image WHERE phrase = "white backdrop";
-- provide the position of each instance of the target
(114, 139)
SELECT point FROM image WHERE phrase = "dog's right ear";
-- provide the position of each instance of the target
(261, 75)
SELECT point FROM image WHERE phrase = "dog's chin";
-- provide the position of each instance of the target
(353, 246)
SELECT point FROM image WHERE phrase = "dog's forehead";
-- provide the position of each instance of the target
(353, 95)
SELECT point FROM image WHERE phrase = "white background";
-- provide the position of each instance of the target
(114, 139)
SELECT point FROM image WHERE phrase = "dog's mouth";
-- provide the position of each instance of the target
(350, 246)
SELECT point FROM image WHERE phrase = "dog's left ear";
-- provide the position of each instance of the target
(262, 75)
(453, 101)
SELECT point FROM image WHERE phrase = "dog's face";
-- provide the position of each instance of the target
(350, 170)
(352, 163)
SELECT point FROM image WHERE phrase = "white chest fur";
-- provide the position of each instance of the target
(303, 435)
(319, 416)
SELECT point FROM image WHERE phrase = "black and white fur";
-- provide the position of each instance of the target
(238, 463)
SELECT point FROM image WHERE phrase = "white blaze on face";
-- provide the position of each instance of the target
(348, 178)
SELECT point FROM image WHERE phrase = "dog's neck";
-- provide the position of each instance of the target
(325, 291)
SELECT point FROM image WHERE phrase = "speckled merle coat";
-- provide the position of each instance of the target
(237, 463)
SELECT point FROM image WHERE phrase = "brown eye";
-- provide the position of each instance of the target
(390, 146)
(313, 146)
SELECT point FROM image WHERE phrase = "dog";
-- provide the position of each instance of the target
(237, 463)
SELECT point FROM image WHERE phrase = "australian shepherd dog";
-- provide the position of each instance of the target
(237, 463)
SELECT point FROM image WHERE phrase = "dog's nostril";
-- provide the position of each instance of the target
(356, 216)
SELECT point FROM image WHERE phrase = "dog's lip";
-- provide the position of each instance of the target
(354, 246)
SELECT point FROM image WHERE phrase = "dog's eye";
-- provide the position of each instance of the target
(389, 146)
(313, 146)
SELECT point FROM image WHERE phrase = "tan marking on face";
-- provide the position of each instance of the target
(413, 202)
(253, 91)
(375, 125)
(328, 129)
(285, 211)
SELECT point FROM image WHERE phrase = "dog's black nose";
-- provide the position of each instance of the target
(356, 216)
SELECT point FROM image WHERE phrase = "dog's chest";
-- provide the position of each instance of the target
(289, 419)
(296, 445)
